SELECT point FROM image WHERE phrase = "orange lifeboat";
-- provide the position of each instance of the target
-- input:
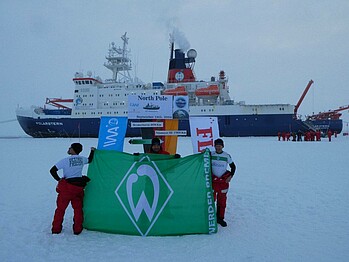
(178, 91)
(211, 90)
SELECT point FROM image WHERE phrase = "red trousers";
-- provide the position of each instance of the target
(68, 193)
(220, 190)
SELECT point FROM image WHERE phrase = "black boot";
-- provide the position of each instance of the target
(221, 222)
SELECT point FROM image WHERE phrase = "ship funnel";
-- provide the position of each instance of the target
(181, 67)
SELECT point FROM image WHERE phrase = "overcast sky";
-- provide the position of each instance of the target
(269, 49)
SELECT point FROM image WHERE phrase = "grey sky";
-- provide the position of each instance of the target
(269, 49)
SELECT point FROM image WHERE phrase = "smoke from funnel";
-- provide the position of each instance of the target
(180, 39)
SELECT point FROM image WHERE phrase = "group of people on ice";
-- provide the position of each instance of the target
(70, 187)
(309, 135)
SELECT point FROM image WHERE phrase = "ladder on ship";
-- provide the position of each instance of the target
(309, 125)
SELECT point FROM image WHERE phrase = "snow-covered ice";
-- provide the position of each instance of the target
(288, 201)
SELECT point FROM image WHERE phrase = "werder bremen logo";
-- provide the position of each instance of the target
(144, 193)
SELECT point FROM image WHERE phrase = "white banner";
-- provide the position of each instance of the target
(204, 130)
(170, 132)
(150, 107)
(147, 124)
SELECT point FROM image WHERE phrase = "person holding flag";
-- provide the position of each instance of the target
(70, 187)
(221, 178)
(156, 147)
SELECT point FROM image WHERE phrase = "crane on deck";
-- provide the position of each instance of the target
(301, 98)
(331, 114)
(56, 102)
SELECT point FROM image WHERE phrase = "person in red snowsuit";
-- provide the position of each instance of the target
(70, 187)
(329, 134)
(318, 135)
(156, 147)
(221, 178)
(313, 135)
(283, 135)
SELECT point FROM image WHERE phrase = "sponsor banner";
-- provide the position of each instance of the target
(147, 124)
(204, 130)
(150, 194)
(112, 131)
(180, 107)
(170, 133)
(150, 107)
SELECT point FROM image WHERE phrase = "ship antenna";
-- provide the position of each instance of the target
(118, 61)
(125, 43)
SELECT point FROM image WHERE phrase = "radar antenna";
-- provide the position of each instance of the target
(119, 62)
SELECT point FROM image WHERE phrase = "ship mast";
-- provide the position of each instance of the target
(119, 62)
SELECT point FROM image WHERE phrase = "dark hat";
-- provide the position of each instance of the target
(77, 147)
(155, 141)
(218, 142)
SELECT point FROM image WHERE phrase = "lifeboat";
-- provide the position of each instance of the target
(210, 91)
(178, 91)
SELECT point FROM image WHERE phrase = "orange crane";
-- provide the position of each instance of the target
(331, 114)
(56, 102)
(302, 97)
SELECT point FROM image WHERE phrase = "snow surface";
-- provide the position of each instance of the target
(288, 202)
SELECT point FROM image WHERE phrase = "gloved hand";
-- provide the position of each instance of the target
(86, 179)
(60, 185)
(136, 154)
(177, 156)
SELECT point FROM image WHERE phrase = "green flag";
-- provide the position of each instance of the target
(149, 194)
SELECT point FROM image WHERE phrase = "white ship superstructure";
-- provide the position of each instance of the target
(94, 98)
